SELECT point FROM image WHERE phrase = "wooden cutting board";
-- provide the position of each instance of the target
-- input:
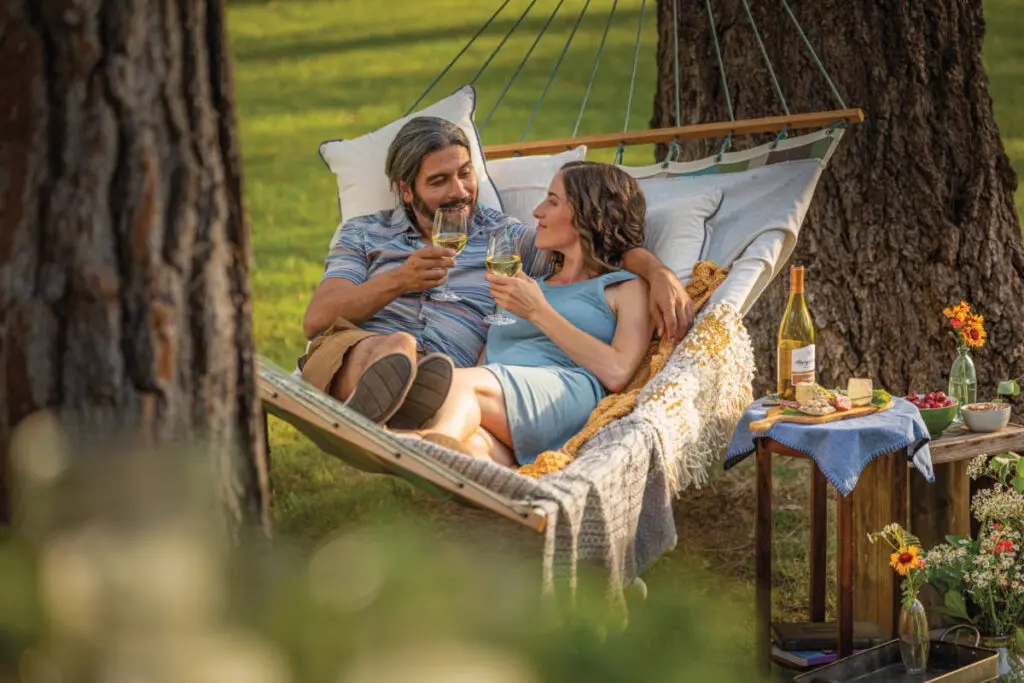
(775, 416)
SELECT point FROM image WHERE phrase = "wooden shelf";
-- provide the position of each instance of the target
(959, 443)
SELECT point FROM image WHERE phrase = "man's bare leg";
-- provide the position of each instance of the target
(364, 353)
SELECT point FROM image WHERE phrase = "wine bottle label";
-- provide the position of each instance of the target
(802, 365)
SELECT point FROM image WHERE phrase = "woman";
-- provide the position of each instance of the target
(580, 332)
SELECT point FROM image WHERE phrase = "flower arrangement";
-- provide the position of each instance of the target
(906, 559)
(982, 579)
(968, 330)
(968, 326)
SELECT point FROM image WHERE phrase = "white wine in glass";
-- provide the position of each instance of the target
(502, 259)
(449, 232)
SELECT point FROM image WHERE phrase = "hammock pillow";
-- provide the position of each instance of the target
(523, 182)
(678, 229)
(359, 163)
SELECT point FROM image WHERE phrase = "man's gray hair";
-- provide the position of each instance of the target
(419, 137)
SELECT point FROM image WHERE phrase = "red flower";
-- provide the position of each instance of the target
(997, 526)
(1003, 545)
(920, 563)
(957, 323)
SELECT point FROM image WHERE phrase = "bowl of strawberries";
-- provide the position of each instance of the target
(937, 410)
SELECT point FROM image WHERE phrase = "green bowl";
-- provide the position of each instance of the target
(937, 419)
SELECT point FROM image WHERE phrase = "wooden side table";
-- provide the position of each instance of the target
(865, 507)
(884, 494)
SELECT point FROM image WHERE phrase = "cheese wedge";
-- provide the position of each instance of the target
(804, 393)
(859, 392)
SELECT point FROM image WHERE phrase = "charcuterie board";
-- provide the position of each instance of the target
(775, 415)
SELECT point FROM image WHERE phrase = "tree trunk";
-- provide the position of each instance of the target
(915, 211)
(124, 252)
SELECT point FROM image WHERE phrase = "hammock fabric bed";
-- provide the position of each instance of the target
(606, 497)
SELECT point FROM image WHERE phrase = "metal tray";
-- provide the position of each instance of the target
(947, 662)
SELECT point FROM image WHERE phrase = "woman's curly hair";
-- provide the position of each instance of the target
(608, 212)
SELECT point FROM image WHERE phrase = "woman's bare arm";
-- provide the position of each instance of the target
(614, 364)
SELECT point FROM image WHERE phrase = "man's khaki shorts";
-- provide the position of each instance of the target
(327, 353)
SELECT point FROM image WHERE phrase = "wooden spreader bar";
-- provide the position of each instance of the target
(695, 131)
(349, 443)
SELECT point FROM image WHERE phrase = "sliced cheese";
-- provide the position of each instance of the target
(818, 409)
(859, 392)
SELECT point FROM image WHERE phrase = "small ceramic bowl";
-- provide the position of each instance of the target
(937, 419)
(986, 417)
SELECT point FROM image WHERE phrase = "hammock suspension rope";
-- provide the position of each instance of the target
(835, 119)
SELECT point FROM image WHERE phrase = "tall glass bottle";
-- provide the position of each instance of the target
(795, 359)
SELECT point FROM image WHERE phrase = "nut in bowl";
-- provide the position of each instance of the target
(937, 410)
(986, 417)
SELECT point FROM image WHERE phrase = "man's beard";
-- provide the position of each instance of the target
(427, 212)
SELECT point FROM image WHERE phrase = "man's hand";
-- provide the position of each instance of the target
(519, 295)
(425, 268)
(670, 306)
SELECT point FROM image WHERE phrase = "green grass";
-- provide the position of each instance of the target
(1004, 62)
(311, 70)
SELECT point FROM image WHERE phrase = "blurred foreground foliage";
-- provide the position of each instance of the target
(120, 568)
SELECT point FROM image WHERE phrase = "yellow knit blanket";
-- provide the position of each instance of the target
(706, 279)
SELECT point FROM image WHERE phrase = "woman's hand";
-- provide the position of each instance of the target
(519, 295)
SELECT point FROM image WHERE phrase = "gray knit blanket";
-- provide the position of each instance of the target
(612, 506)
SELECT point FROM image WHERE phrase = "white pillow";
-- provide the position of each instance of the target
(523, 182)
(678, 230)
(363, 188)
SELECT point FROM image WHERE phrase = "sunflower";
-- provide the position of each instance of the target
(905, 559)
(973, 331)
(958, 312)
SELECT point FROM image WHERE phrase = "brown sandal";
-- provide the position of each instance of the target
(382, 387)
(429, 390)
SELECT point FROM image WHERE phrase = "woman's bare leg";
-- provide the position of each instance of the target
(483, 444)
(474, 401)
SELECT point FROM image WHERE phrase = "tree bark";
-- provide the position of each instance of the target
(124, 251)
(915, 211)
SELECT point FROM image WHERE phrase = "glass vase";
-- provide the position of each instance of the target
(913, 637)
(963, 382)
(1011, 667)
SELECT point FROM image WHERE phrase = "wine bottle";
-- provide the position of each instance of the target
(796, 339)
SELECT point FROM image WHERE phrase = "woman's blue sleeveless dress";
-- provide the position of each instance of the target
(548, 397)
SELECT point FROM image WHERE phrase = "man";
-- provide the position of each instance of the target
(379, 342)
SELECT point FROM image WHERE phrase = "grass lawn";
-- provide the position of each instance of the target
(311, 70)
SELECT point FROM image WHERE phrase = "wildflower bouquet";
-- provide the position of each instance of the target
(968, 330)
(913, 622)
(906, 559)
(968, 326)
(982, 579)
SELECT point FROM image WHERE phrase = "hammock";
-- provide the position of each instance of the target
(611, 501)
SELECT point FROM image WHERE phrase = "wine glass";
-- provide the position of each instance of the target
(449, 232)
(502, 259)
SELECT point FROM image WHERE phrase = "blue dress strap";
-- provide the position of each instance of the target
(615, 277)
